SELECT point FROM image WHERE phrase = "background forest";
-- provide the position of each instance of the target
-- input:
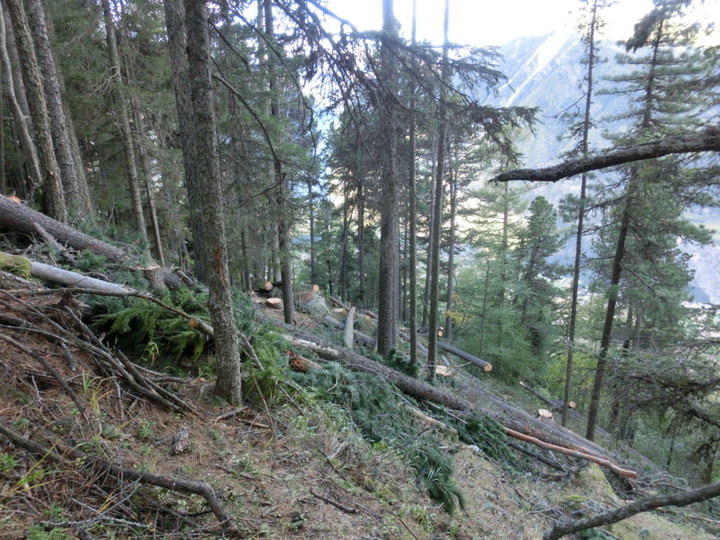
(271, 141)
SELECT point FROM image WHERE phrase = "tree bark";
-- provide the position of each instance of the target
(54, 197)
(205, 173)
(123, 119)
(437, 209)
(177, 45)
(11, 90)
(389, 241)
(707, 140)
(613, 516)
(77, 194)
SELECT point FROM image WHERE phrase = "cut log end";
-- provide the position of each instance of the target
(300, 363)
(487, 367)
(267, 286)
(443, 371)
(274, 303)
(572, 404)
(544, 414)
(315, 288)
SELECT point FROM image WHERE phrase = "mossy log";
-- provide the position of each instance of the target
(17, 217)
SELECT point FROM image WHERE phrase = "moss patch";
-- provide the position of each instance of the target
(20, 266)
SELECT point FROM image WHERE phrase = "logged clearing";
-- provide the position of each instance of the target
(287, 465)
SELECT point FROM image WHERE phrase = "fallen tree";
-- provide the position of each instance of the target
(485, 366)
(613, 516)
(554, 404)
(53, 274)
(19, 218)
(513, 419)
(703, 141)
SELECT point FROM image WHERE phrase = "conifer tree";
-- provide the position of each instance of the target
(659, 85)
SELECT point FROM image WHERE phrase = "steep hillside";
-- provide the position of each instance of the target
(96, 445)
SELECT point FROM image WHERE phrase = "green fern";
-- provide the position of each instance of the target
(147, 330)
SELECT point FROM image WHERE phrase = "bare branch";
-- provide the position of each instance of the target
(707, 140)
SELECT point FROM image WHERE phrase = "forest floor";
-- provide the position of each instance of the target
(293, 470)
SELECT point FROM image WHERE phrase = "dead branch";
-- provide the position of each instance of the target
(582, 455)
(613, 516)
(123, 474)
(707, 140)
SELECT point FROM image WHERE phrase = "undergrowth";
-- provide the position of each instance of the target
(148, 331)
(382, 416)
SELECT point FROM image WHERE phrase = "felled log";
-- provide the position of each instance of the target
(514, 419)
(264, 290)
(554, 404)
(544, 414)
(300, 363)
(20, 218)
(274, 303)
(348, 329)
(486, 366)
(339, 303)
(362, 339)
(60, 276)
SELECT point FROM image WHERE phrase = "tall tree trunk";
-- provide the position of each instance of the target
(311, 212)
(581, 214)
(141, 144)
(361, 244)
(451, 257)
(77, 195)
(177, 46)
(285, 221)
(388, 267)
(205, 173)
(428, 255)
(437, 210)
(412, 206)
(620, 249)
(123, 120)
(54, 197)
(613, 293)
(343, 281)
(20, 119)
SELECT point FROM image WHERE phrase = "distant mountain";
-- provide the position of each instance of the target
(546, 72)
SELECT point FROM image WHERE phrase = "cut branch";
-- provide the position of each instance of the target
(707, 140)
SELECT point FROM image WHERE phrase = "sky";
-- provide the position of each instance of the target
(496, 22)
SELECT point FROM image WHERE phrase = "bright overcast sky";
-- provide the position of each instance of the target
(496, 22)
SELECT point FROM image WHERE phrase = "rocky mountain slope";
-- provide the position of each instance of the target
(546, 72)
